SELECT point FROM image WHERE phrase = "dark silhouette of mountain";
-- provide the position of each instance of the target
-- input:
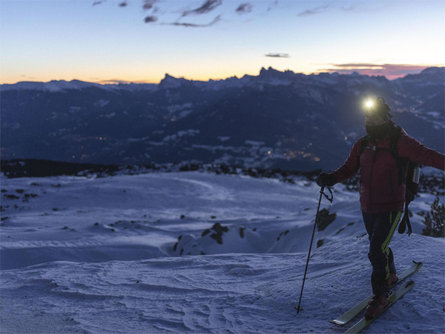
(273, 120)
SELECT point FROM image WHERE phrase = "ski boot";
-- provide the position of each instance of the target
(376, 306)
(392, 280)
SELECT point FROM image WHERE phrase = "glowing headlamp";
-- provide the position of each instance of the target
(369, 105)
(376, 106)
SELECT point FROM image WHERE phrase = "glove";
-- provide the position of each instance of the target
(326, 180)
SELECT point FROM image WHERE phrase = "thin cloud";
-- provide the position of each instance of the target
(315, 10)
(117, 81)
(328, 6)
(271, 6)
(390, 71)
(277, 55)
(194, 25)
(148, 4)
(150, 18)
(25, 76)
(244, 8)
(349, 8)
(95, 3)
(155, 13)
(113, 81)
(358, 65)
(205, 8)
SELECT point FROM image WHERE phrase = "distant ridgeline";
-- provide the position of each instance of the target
(43, 168)
(430, 183)
(276, 120)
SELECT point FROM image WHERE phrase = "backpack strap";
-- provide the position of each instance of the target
(402, 163)
(409, 197)
(394, 135)
(364, 141)
(405, 221)
(402, 166)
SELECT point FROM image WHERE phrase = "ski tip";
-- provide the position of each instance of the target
(338, 322)
(419, 263)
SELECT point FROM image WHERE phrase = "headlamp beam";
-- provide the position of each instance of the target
(369, 104)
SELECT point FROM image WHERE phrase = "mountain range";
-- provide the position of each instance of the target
(273, 120)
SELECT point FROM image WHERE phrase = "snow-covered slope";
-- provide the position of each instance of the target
(110, 255)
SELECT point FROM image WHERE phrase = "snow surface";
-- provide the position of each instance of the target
(102, 255)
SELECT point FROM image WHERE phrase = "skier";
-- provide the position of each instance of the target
(382, 193)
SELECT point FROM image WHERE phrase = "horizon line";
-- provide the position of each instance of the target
(366, 71)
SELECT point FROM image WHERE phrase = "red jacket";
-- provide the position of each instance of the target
(380, 189)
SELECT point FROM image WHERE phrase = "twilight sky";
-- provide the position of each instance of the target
(141, 40)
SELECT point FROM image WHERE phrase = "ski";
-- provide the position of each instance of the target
(395, 296)
(355, 310)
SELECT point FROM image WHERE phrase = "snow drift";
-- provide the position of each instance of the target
(196, 252)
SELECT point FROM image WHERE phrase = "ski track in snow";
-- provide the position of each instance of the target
(96, 256)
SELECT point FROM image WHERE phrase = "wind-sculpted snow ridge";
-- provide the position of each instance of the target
(124, 254)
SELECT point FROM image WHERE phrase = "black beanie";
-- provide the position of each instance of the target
(382, 108)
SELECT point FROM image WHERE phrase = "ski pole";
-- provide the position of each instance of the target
(312, 239)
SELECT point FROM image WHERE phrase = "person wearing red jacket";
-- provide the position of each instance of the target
(382, 194)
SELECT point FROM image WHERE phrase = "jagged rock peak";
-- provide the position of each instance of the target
(168, 76)
(171, 82)
(271, 72)
(276, 77)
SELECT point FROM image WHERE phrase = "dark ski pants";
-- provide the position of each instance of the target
(380, 228)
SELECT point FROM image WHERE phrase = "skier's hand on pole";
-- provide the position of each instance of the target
(326, 179)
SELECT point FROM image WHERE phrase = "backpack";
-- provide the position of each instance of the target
(408, 173)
